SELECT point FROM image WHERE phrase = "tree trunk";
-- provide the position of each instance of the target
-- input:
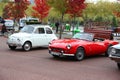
(61, 26)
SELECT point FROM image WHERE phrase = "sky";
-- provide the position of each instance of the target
(32, 1)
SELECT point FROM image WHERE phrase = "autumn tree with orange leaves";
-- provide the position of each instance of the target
(75, 7)
(16, 9)
(42, 9)
(7, 10)
(20, 7)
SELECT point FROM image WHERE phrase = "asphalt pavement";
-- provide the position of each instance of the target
(38, 64)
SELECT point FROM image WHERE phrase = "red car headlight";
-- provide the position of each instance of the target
(68, 46)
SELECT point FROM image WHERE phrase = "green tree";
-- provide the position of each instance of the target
(29, 10)
(116, 10)
(101, 9)
(61, 7)
(5, 1)
(2, 5)
(114, 22)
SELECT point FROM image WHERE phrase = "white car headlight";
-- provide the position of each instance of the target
(18, 40)
(68, 46)
(112, 51)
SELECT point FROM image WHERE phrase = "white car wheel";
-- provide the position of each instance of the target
(27, 46)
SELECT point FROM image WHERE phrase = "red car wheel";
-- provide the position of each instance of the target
(79, 54)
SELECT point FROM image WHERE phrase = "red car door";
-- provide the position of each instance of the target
(94, 48)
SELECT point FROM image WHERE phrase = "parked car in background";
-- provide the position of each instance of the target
(9, 24)
(22, 21)
(31, 36)
(115, 54)
(80, 46)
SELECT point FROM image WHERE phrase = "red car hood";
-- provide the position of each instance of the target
(61, 43)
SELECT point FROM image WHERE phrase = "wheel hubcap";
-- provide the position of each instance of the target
(80, 55)
(27, 47)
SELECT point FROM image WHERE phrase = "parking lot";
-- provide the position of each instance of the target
(38, 64)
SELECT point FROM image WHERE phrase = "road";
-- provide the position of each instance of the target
(37, 64)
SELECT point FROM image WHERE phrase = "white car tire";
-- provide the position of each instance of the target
(27, 46)
(12, 47)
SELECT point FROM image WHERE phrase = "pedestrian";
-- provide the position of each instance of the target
(3, 29)
(57, 26)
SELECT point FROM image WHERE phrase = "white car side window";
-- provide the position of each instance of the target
(41, 30)
(48, 31)
(36, 31)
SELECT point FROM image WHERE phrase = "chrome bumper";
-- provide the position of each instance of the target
(115, 58)
(60, 53)
(14, 44)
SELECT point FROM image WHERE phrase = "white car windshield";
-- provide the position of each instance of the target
(85, 36)
(27, 29)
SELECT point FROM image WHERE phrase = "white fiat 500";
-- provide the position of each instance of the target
(31, 36)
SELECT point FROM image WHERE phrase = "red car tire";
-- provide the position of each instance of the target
(79, 54)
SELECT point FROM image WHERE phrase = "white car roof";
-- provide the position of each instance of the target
(37, 26)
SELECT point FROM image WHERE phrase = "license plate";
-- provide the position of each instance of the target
(55, 53)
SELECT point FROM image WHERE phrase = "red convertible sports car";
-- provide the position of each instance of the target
(79, 46)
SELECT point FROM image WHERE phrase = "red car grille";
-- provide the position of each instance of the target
(56, 49)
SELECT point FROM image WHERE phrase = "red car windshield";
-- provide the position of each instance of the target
(85, 36)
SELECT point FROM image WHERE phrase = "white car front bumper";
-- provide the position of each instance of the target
(14, 42)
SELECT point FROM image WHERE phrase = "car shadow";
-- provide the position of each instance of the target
(66, 58)
(33, 49)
